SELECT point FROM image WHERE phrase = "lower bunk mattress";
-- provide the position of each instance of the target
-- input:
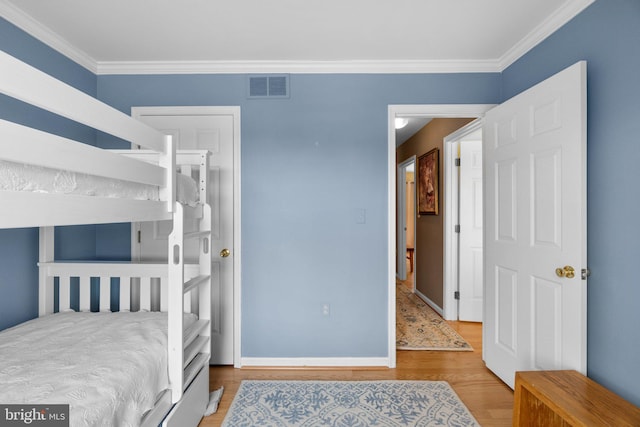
(109, 367)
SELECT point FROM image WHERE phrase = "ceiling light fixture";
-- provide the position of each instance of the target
(401, 122)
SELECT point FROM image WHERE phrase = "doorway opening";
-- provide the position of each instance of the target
(406, 222)
(397, 248)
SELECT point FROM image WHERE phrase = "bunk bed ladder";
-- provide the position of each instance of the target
(189, 349)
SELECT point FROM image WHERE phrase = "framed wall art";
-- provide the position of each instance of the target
(428, 165)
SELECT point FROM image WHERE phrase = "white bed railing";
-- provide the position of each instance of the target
(26, 145)
(26, 83)
(22, 144)
(142, 287)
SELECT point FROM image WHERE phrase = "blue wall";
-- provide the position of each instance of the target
(308, 163)
(607, 36)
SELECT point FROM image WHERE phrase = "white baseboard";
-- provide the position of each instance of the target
(430, 303)
(316, 362)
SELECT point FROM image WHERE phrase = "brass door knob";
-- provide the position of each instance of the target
(225, 253)
(566, 271)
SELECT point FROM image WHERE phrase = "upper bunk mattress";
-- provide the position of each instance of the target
(109, 367)
(22, 177)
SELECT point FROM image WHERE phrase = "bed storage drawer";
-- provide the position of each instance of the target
(189, 410)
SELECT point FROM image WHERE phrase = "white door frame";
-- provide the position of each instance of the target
(237, 254)
(451, 206)
(417, 110)
(402, 218)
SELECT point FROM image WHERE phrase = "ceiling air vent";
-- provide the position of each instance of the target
(268, 86)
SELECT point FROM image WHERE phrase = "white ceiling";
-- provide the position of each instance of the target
(291, 35)
(414, 124)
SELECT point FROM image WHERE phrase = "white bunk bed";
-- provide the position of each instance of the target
(179, 290)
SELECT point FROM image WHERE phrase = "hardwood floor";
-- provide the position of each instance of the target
(489, 400)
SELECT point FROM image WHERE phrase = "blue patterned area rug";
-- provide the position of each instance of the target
(347, 404)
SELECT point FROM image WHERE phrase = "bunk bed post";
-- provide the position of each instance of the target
(176, 304)
(168, 161)
(46, 254)
(204, 302)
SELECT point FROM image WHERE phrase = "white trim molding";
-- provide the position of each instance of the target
(316, 362)
(492, 65)
(430, 303)
(43, 33)
(299, 67)
(435, 111)
(564, 14)
(391, 235)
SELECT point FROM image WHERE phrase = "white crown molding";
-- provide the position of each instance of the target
(25, 22)
(299, 67)
(563, 15)
(29, 25)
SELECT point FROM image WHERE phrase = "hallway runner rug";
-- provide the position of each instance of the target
(347, 403)
(418, 327)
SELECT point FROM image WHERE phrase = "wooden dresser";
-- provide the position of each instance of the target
(568, 398)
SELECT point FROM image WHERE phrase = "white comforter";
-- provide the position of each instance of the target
(110, 367)
(21, 177)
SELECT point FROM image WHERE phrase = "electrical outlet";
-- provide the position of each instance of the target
(360, 216)
(326, 309)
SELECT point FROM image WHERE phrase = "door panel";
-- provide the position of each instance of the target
(535, 185)
(507, 295)
(505, 200)
(546, 223)
(547, 329)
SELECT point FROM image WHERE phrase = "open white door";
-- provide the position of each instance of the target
(471, 245)
(215, 129)
(535, 225)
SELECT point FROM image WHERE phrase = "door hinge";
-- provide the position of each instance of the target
(457, 228)
(139, 236)
(456, 295)
(457, 161)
